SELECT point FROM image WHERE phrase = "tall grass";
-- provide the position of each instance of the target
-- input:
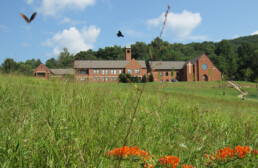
(68, 124)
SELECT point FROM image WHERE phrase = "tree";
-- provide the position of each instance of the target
(225, 50)
(144, 79)
(151, 78)
(52, 63)
(9, 65)
(65, 59)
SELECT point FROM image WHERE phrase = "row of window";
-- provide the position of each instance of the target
(114, 71)
(105, 71)
(167, 74)
(104, 79)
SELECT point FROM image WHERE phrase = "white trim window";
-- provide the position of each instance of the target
(94, 79)
(103, 72)
(111, 78)
(107, 79)
(103, 79)
(129, 71)
(112, 71)
(115, 71)
(120, 71)
(115, 78)
(137, 71)
(98, 79)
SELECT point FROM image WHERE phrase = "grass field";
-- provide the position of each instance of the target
(68, 124)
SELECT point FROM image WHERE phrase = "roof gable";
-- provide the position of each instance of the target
(42, 67)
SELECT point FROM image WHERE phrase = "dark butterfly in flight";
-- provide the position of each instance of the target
(119, 34)
(31, 18)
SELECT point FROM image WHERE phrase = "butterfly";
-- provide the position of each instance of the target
(31, 18)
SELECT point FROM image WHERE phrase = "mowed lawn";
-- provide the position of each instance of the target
(69, 124)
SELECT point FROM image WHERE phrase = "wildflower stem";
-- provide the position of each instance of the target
(131, 124)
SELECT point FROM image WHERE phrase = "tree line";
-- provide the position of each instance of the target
(237, 59)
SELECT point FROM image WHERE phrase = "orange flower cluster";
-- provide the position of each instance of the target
(169, 161)
(129, 152)
(187, 166)
(223, 154)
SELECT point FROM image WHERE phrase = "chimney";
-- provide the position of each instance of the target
(128, 52)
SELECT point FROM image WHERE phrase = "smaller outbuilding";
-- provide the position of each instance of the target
(44, 72)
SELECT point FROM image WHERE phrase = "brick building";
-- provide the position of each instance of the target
(44, 72)
(197, 69)
(109, 70)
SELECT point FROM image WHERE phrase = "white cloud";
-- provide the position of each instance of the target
(55, 7)
(180, 24)
(254, 33)
(73, 39)
(30, 2)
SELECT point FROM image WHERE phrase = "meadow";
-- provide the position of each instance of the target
(67, 124)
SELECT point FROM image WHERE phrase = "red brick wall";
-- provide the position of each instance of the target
(42, 69)
(166, 75)
(90, 77)
(211, 72)
(197, 72)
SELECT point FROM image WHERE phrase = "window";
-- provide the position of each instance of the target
(112, 71)
(94, 79)
(166, 73)
(161, 74)
(96, 71)
(130, 71)
(82, 72)
(98, 79)
(115, 72)
(120, 71)
(103, 78)
(111, 78)
(137, 71)
(82, 79)
(103, 71)
(106, 71)
(41, 74)
(107, 79)
(115, 78)
(204, 66)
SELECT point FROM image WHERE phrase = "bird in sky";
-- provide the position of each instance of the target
(31, 18)
(119, 34)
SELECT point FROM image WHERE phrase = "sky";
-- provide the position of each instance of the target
(80, 25)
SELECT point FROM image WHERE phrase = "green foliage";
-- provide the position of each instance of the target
(151, 78)
(144, 79)
(9, 65)
(69, 124)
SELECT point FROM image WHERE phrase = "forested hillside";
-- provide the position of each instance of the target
(237, 59)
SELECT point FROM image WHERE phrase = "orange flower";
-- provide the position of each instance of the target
(206, 156)
(187, 166)
(242, 151)
(129, 152)
(169, 161)
(224, 153)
